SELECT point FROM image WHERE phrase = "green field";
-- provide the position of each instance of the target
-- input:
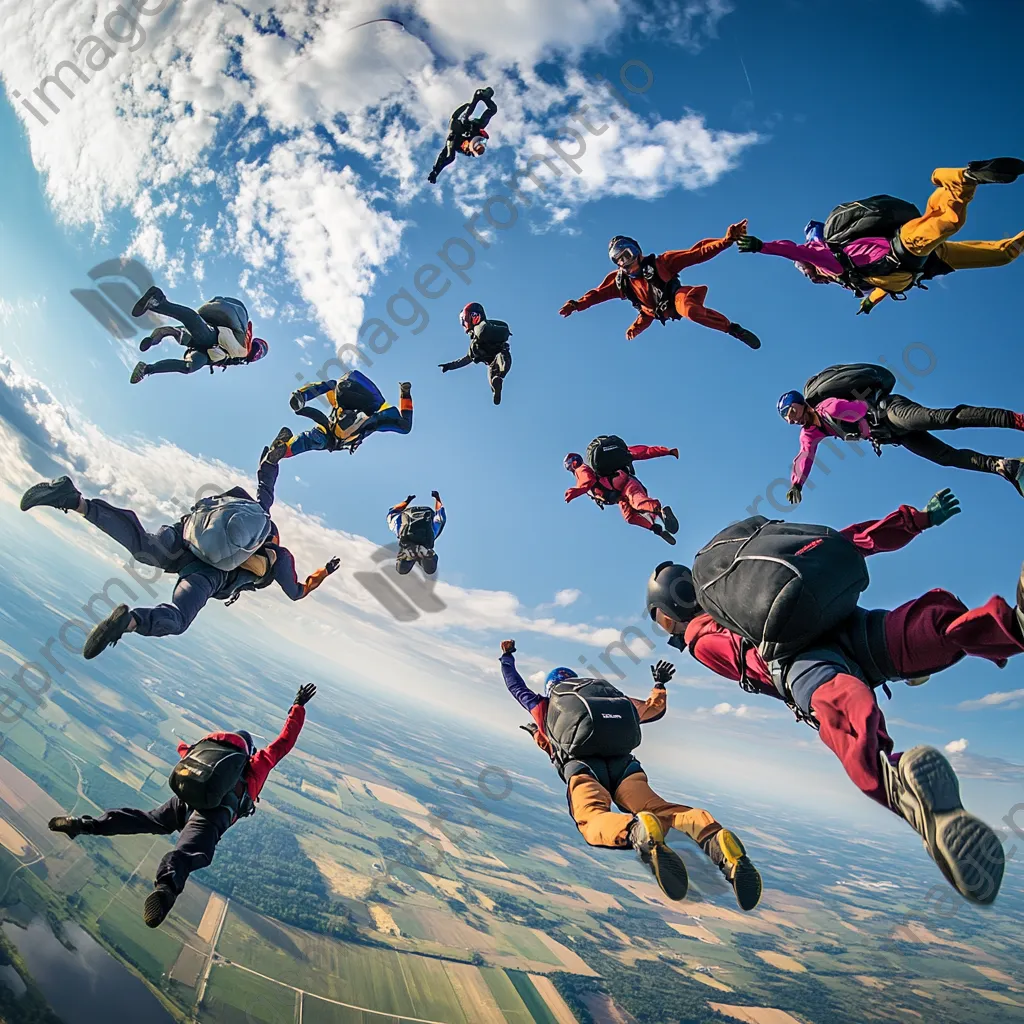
(531, 997)
(234, 997)
(507, 996)
(152, 950)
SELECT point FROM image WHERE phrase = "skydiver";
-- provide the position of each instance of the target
(416, 529)
(607, 477)
(885, 246)
(226, 545)
(651, 283)
(830, 679)
(466, 134)
(488, 344)
(219, 333)
(241, 770)
(358, 410)
(597, 765)
(830, 409)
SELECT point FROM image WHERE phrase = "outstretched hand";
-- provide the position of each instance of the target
(941, 506)
(332, 565)
(296, 401)
(795, 494)
(736, 231)
(508, 647)
(305, 695)
(748, 243)
(866, 306)
(570, 307)
(662, 672)
(631, 333)
(435, 495)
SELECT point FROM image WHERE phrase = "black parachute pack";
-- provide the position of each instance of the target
(864, 382)
(663, 292)
(781, 586)
(417, 527)
(224, 311)
(212, 775)
(489, 338)
(606, 455)
(591, 718)
(879, 216)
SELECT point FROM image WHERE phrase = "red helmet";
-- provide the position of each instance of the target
(572, 461)
(258, 348)
(472, 313)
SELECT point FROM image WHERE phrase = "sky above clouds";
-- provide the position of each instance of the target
(277, 153)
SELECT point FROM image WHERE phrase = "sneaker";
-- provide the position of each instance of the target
(1001, 171)
(725, 850)
(60, 493)
(496, 388)
(659, 531)
(1013, 471)
(158, 905)
(140, 371)
(108, 632)
(647, 837)
(923, 790)
(152, 297)
(671, 523)
(278, 447)
(749, 338)
(67, 825)
(158, 335)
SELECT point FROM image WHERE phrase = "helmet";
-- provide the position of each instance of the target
(815, 231)
(472, 313)
(572, 461)
(557, 675)
(622, 246)
(249, 745)
(258, 348)
(670, 590)
(788, 399)
(477, 144)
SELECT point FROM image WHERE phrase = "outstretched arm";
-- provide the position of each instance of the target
(819, 256)
(899, 528)
(264, 760)
(286, 578)
(640, 452)
(456, 364)
(810, 438)
(266, 479)
(670, 263)
(638, 326)
(602, 293)
(585, 480)
(308, 392)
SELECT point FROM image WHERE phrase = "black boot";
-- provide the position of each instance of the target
(108, 632)
(1013, 471)
(158, 905)
(152, 296)
(66, 824)
(1001, 171)
(749, 338)
(659, 531)
(727, 852)
(671, 523)
(278, 447)
(923, 790)
(496, 388)
(158, 335)
(60, 493)
(647, 837)
(140, 371)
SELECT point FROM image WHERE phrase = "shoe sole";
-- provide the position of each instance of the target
(669, 872)
(671, 523)
(154, 913)
(137, 374)
(28, 499)
(1002, 170)
(142, 306)
(965, 849)
(667, 537)
(93, 646)
(746, 882)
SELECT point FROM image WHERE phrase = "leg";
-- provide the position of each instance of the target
(926, 446)
(195, 848)
(635, 794)
(190, 595)
(391, 420)
(165, 549)
(169, 817)
(429, 564)
(944, 215)
(636, 497)
(904, 414)
(444, 158)
(193, 361)
(978, 255)
(689, 302)
(634, 518)
(203, 335)
(590, 804)
(312, 440)
(404, 567)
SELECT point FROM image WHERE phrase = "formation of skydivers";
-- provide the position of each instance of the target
(768, 604)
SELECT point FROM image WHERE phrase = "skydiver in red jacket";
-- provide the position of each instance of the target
(832, 686)
(623, 488)
(651, 283)
(199, 832)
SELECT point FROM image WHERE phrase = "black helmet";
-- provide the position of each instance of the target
(247, 736)
(670, 590)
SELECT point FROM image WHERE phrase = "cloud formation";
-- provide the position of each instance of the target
(1006, 699)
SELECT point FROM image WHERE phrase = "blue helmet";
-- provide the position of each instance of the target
(788, 399)
(248, 740)
(815, 231)
(622, 246)
(557, 675)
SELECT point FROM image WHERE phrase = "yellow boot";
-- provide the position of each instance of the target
(647, 837)
(725, 850)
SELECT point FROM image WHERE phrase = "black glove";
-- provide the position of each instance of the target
(435, 495)
(508, 647)
(748, 243)
(332, 565)
(296, 401)
(409, 498)
(305, 695)
(531, 728)
(405, 390)
(432, 178)
(662, 673)
(795, 494)
(444, 367)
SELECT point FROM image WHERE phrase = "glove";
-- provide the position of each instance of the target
(795, 494)
(866, 306)
(737, 231)
(296, 401)
(435, 495)
(570, 307)
(531, 728)
(508, 647)
(409, 498)
(662, 673)
(631, 333)
(942, 506)
(305, 695)
(405, 389)
(432, 178)
(748, 243)
(568, 496)
(444, 367)
(485, 93)
(674, 452)
(332, 565)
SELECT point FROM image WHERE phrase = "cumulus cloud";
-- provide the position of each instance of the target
(956, 746)
(1007, 699)
(566, 597)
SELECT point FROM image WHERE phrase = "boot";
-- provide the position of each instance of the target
(152, 297)
(647, 837)
(659, 531)
(671, 523)
(1013, 471)
(496, 388)
(923, 790)
(140, 371)
(278, 447)
(158, 335)
(726, 851)
(108, 632)
(1001, 171)
(158, 905)
(60, 493)
(749, 338)
(68, 825)
(404, 389)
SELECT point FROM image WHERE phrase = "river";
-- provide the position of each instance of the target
(87, 986)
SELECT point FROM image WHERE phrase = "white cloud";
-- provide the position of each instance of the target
(1007, 699)
(566, 597)
(940, 6)
(956, 746)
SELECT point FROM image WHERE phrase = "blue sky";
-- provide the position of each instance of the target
(780, 110)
